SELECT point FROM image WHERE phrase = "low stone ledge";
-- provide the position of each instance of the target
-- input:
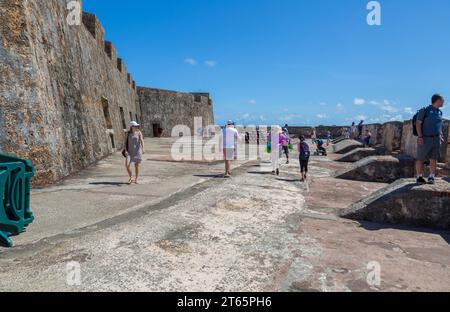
(357, 155)
(385, 169)
(406, 202)
(346, 146)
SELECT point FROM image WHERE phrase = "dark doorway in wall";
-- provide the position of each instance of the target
(122, 116)
(131, 117)
(157, 130)
(105, 105)
(113, 143)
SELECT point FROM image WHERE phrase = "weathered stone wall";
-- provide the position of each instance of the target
(391, 136)
(167, 109)
(376, 130)
(55, 80)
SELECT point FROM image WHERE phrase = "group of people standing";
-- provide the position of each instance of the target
(278, 144)
(356, 132)
(428, 128)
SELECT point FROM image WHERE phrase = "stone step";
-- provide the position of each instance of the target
(346, 146)
(406, 202)
(357, 154)
(385, 169)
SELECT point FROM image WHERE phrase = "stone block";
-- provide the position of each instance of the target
(385, 169)
(405, 202)
(111, 51)
(94, 26)
(391, 136)
(357, 154)
(346, 146)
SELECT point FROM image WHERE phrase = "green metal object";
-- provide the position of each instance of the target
(15, 185)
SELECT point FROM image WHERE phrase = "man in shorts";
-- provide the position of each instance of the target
(228, 141)
(430, 133)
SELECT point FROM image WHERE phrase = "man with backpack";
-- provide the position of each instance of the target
(428, 127)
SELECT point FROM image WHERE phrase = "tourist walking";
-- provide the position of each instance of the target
(304, 155)
(284, 140)
(429, 129)
(347, 134)
(329, 137)
(229, 139)
(314, 136)
(368, 138)
(360, 129)
(352, 130)
(274, 140)
(133, 151)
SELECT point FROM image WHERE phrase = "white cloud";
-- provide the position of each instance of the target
(340, 107)
(359, 101)
(409, 110)
(288, 117)
(388, 107)
(245, 116)
(361, 117)
(190, 61)
(397, 118)
(385, 106)
(252, 101)
(321, 116)
(211, 63)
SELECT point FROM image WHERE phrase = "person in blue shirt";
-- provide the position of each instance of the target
(430, 138)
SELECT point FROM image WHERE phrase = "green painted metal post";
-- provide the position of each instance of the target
(15, 185)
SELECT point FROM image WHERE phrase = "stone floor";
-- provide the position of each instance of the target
(187, 229)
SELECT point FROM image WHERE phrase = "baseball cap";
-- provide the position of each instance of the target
(134, 124)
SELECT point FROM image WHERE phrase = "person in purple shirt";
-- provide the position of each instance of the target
(284, 141)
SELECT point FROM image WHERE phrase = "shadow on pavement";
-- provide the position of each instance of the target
(213, 176)
(260, 172)
(289, 180)
(118, 184)
(370, 226)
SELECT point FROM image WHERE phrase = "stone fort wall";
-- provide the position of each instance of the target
(166, 109)
(65, 96)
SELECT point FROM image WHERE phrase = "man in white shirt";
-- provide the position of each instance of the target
(228, 141)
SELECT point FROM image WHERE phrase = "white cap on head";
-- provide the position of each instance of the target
(134, 124)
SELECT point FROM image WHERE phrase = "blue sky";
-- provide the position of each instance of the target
(302, 62)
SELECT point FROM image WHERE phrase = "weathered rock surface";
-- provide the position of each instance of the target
(405, 202)
(357, 155)
(346, 146)
(380, 169)
(61, 95)
(65, 97)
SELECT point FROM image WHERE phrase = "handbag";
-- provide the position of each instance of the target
(125, 150)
